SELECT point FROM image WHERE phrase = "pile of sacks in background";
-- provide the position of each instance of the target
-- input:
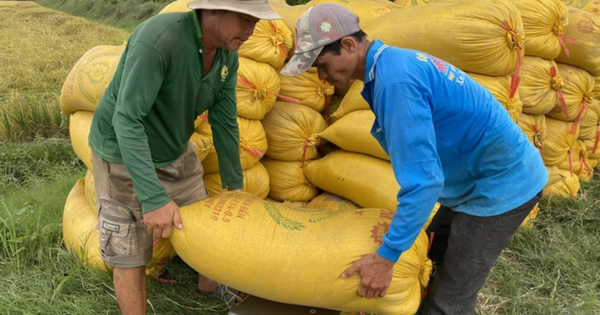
(311, 167)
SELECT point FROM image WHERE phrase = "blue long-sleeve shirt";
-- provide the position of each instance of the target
(449, 140)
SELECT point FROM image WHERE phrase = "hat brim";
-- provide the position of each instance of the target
(300, 62)
(260, 11)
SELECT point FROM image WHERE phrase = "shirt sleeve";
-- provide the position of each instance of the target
(143, 74)
(405, 116)
(226, 135)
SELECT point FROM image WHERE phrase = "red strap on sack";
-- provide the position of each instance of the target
(562, 43)
(252, 85)
(560, 95)
(579, 117)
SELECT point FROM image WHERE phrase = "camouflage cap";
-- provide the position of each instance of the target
(319, 26)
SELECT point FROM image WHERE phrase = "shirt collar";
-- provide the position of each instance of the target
(373, 49)
(196, 28)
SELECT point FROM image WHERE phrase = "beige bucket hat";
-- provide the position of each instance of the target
(257, 8)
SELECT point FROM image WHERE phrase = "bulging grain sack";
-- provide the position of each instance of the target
(587, 173)
(577, 94)
(288, 181)
(412, 3)
(544, 23)
(597, 87)
(80, 123)
(81, 236)
(329, 201)
(559, 140)
(541, 85)
(290, 15)
(294, 246)
(584, 27)
(88, 79)
(90, 189)
(589, 129)
(353, 133)
(253, 144)
(586, 5)
(256, 182)
(289, 204)
(534, 127)
(202, 144)
(577, 159)
(481, 36)
(270, 43)
(176, 6)
(565, 184)
(504, 90)
(307, 89)
(352, 101)
(593, 148)
(293, 132)
(257, 89)
(367, 11)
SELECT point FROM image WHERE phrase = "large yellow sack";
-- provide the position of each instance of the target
(353, 133)
(412, 3)
(589, 129)
(81, 236)
(270, 43)
(257, 89)
(584, 27)
(293, 132)
(253, 144)
(587, 173)
(597, 87)
(80, 123)
(307, 89)
(544, 23)
(503, 89)
(256, 182)
(290, 15)
(534, 127)
(367, 11)
(577, 159)
(565, 184)
(577, 94)
(593, 148)
(590, 6)
(202, 144)
(245, 238)
(88, 79)
(288, 181)
(559, 140)
(541, 85)
(329, 201)
(352, 101)
(481, 36)
(176, 6)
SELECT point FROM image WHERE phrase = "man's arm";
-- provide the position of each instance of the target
(222, 117)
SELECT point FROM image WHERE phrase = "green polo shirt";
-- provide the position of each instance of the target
(147, 113)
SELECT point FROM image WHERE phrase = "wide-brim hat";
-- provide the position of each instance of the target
(257, 8)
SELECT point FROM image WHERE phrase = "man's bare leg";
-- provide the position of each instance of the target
(130, 289)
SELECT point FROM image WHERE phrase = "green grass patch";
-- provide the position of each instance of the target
(39, 48)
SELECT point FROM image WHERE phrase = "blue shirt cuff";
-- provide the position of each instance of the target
(389, 253)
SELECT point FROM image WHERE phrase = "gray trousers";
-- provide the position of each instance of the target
(464, 253)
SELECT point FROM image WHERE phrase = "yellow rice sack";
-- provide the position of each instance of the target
(89, 77)
(577, 94)
(257, 89)
(352, 101)
(288, 182)
(367, 11)
(90, 192)
(329, 201)
(541, 85)
(412, 3)
(307, 89)
(566, 184)
(270, 43)
(577, 159)
(481, 36)
(584, 28)
(544, 23)
(256, 182)
(80, 123)
(299, 249)
(597, 87)
(593, 148)
(586, 5)
(287, 203)
(587, 173)
(559, 140)
(589, 129)
(253, 144)
(502, 89)
(202, 144)
(176, 6)
(293, 132)
(353, 133)
(534, 127)
(81, 236)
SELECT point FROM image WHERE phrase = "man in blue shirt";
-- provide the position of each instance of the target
(448, 139)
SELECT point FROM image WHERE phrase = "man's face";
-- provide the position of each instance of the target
(337, 70)
(234, 29)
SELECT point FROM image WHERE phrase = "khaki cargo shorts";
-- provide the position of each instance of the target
(124, 241)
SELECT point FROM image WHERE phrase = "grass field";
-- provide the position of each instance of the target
(551, 268)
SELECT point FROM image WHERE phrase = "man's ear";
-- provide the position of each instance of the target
(348, 43)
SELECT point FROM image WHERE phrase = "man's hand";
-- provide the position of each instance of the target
(376, 275)
(160, 221)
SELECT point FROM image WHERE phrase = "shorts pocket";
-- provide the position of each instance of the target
(117, 226)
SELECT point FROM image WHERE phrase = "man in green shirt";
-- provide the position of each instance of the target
(175, 67)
